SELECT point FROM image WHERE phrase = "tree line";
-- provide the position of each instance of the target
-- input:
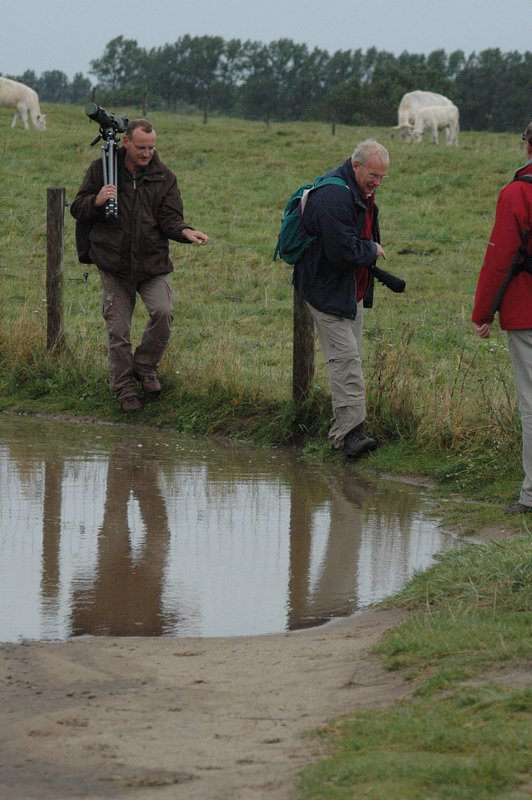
(286, 81)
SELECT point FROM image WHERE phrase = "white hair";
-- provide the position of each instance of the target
(368, 148)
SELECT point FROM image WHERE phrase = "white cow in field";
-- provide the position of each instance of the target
(25, 102)
(410, 106)
(438, 118)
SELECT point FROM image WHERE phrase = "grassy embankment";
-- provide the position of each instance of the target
(440, 400)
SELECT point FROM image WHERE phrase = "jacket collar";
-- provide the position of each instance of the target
(526, 169)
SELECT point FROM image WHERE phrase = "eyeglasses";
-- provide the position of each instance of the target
(526, 138)
(374, 175)
(142, 148)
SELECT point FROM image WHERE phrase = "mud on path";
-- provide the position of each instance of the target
(192, 719)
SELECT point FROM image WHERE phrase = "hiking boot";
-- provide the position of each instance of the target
(151, 385)
(129, 404)
(518, 508)
(357, 442)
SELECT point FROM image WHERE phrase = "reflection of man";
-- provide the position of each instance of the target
(334, 279)
(334, 591)
(512, 227)
(132, 254)
(125, 599)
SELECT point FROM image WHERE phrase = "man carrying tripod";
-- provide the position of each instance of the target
(131, 252)
(335, 278)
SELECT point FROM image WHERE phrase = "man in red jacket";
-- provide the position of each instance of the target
(510, 247)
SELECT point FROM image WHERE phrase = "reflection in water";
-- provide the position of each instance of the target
(118, 531)
(130, 569)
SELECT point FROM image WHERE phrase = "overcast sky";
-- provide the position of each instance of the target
(68, 34)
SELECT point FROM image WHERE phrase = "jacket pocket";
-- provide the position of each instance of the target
(152, 242)
(106, 245)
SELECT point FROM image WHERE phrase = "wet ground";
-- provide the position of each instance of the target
(114, 531)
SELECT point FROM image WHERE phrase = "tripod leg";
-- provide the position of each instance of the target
(104, 163)
(115, 178)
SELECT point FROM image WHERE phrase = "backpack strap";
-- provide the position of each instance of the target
(318, 183)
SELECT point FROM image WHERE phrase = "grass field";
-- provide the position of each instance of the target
(441, 400)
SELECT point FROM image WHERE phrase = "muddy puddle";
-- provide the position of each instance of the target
(110, 530)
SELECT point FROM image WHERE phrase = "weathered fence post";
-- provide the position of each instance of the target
(55, 226)
(303, 350)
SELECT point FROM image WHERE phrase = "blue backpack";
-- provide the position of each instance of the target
(293, 240)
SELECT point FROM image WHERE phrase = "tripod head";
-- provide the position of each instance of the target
(110, 124)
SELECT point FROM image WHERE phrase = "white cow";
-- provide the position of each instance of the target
(410, 106)
(438, 118)
(25, 102)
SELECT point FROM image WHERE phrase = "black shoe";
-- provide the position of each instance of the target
(357, 442)
(518, 508)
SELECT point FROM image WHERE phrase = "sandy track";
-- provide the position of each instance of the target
(197, 719)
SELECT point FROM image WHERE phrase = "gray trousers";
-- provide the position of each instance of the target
(341, 344)
(118, 304)
(520, 347)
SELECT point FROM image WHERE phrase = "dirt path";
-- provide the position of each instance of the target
(192, 719)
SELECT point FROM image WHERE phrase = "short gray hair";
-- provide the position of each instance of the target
(363, 152)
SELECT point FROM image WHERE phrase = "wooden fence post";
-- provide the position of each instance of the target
(303, 351)
(55, 226)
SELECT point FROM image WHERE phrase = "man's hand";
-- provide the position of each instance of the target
(380, 252)
(196, 237)
(483, 330)
(107, 192)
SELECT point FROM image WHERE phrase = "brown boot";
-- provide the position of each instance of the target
(129, 404)
(151, 386)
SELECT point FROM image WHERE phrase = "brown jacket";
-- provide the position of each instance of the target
(150, 212)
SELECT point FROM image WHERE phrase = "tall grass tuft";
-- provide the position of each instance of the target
(471, 608)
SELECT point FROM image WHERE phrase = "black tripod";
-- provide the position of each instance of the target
(110, 125)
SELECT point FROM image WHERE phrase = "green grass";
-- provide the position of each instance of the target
(471, 608)
(472, 745)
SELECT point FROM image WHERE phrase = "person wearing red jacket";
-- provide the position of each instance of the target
(510, 248)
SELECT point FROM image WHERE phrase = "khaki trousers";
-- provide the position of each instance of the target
(520, 347)
(118, 304)
(341, 344)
